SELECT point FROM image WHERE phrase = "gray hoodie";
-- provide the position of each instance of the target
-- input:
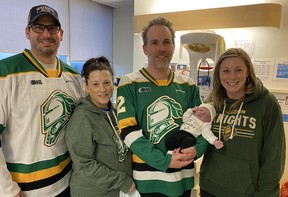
(101, 162)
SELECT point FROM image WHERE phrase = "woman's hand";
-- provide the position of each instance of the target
(20, 194)
(132, 188)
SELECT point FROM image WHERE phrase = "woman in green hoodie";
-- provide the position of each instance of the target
(249, 122)
(101, 163)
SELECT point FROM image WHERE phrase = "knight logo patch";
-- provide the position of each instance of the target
(160, 117)
(55, 113)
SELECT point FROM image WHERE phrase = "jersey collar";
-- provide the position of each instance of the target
(148, 76)
(27, 54)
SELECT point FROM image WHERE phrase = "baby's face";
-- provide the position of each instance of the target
(203, 114)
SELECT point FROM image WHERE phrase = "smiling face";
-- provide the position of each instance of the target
(100, 87)
(44, 44)
(159, 49)
(232, 74)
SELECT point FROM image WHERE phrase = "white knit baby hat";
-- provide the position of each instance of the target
(211, 108)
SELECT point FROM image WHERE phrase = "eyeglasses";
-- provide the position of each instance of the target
(37, 28)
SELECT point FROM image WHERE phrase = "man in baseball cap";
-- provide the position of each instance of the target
(40, 10)
(35, 160)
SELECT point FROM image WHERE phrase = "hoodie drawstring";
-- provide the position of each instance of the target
(115, 125)
(234, 123)
(236, 118)
(222, 115)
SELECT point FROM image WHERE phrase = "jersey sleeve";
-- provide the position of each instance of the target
(7, 186)
(131, 133)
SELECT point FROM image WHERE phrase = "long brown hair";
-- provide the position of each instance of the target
(218, 92)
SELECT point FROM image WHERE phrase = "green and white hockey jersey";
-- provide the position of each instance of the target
(35, 106)
(148, 111)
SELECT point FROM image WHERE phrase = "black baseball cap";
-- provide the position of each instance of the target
(40, 10)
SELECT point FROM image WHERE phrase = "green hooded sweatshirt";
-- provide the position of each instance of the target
(251, 163)
(101, 163)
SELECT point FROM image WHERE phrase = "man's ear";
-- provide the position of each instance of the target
(27, 33)
(144, 49)
(61, 34)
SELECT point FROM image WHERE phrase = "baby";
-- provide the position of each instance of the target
(196, 121)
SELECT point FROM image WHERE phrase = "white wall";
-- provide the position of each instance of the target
(123, 40)
(91, 30)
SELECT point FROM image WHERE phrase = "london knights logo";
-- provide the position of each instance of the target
(55, 115)
(121, 147)
(160, 117)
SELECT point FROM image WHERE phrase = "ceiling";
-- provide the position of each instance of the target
(116, 3)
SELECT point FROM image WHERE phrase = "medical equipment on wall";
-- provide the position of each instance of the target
(204, 49)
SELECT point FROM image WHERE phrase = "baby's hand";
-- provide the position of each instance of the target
(218, 144)
(194, 109)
